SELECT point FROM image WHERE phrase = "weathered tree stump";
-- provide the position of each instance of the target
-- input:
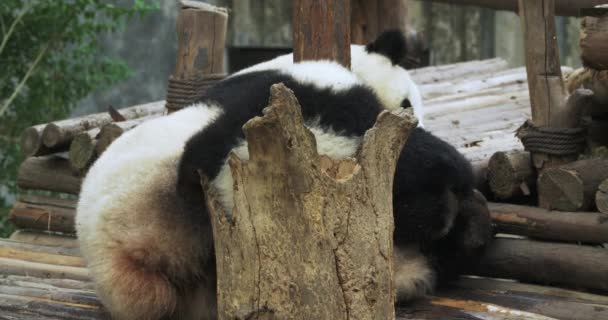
(308, 235)
(511, 174)
(572, 187)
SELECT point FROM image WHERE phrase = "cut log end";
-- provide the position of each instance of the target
(601, 197)
(107, 135)
(563, 189)
(52, 135)
(82, 151)
(510, 174)
(31, 142)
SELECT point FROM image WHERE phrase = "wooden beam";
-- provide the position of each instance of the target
(590, 227)
(546, 263)
(563, 7)
(321, 30)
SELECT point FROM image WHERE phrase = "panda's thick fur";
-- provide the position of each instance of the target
(142, 225)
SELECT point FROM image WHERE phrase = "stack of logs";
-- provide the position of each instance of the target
(59, 154)
(572, 195)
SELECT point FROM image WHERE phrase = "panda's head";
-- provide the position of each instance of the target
(377, 64)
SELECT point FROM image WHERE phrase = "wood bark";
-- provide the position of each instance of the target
(308, 235)
(511, 174)
(60, 133)
(594, 41)
(82, 149)
(562, 7)
(589, 227)
(52, 173)
(546, 263)
(369, 18)
(57, 216)
(321, 30)
(601, 198)
(572, 187)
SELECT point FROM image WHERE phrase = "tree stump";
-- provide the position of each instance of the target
(308, 236)
(511, 174)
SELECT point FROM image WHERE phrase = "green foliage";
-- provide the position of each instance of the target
(50, 59)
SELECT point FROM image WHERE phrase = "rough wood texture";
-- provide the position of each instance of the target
(589, 227)
(308, 234)
(51, 173)
(572, 187)
(601, 198)
(594, 41)
(51, 215)
(44, 238)
(562, 7)
(546, 263)
(31, 142)
(511, 174)
(50, 255)
(201, 36)
(59, 134)
(321, 30)
(82, 149)
(369, 18)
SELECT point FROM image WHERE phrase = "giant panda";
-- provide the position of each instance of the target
(142, 225)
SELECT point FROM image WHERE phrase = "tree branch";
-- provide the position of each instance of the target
(7, 35)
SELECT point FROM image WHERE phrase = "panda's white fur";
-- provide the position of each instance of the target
(390, 82)
(130, 221)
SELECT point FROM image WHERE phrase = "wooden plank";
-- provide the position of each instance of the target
(563, 7)
(44, 238)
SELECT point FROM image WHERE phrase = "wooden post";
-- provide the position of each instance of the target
(321, 30)
(309, 236)
(370, 17)
(201, 38)
(546, 86)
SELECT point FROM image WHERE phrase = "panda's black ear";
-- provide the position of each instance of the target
(390, 43)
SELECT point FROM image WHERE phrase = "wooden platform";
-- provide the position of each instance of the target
(476, 105)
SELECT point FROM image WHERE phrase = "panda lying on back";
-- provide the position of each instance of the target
(142, 225)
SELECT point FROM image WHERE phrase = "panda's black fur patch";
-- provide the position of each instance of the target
(392, 44)
(349, 112)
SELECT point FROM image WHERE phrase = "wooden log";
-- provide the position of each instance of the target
(40, 257)
(44, 238)
(82, 149)
(51, 216)
(298, 254)
(594, 41)
(369, 18)
(60, 133)
(25, 281)
(546, 263)
(24, 307)
(201, 38)
(31, 142)
(42, 270)
(601, 197)
(39, 248)
(321, 30)
(511, 174)
(571, 8)
(51, 173)
(547, 89)
(589, 227)
(112, 131)
(572, 187)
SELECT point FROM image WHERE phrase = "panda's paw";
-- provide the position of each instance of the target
(478, 227)
(414, 277)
